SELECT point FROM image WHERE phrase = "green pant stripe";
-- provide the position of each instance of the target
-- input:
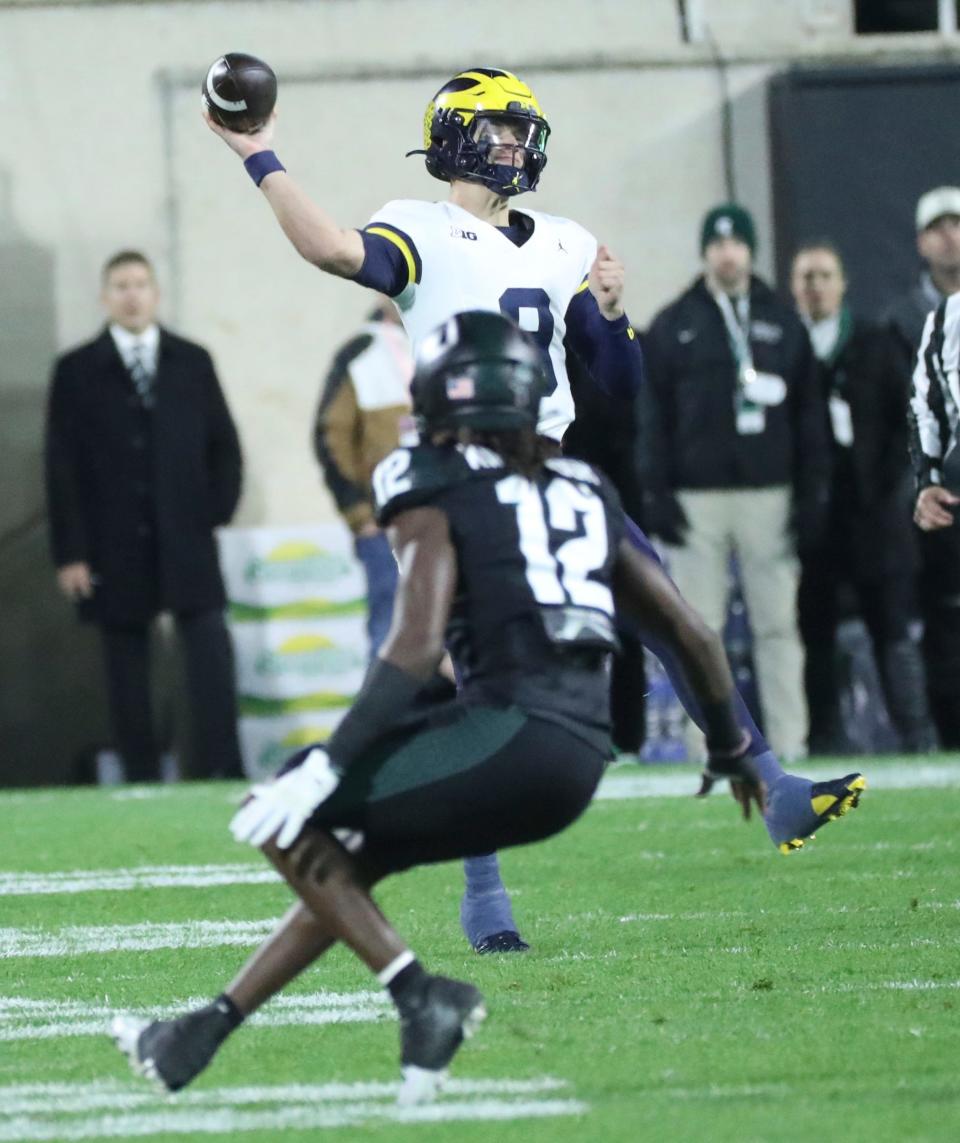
(440, 752)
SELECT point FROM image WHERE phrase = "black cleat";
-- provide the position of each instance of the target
(433, 1025)
(508, 941)
(172, 1052)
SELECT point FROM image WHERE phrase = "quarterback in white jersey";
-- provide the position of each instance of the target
(484, 133)
(468, 264)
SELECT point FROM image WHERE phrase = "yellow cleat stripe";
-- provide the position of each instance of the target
(823, 803)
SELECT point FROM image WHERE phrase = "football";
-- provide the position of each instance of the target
(240, 91)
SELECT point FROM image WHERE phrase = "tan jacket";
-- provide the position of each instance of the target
(365, 396)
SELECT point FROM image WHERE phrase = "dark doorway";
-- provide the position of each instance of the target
(852, 149)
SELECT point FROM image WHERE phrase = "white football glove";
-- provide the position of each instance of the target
(285, 803)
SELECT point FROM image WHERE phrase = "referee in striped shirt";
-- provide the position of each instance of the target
(935, 407)
(935, 433)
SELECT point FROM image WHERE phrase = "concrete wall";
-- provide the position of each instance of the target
(104, 147)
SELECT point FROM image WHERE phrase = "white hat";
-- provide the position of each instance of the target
(935, 204)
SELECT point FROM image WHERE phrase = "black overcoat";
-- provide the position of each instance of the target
(136, 494)
(876, 512)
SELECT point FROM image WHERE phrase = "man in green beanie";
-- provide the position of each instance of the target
(735, 458)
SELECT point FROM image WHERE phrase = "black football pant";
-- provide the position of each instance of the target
(940, 607)
(211, 696)
(460, 781)
(628, 691)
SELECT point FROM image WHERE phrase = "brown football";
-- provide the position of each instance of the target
(240, 91)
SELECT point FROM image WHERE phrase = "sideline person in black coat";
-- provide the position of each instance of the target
(142, 463)
(868, 547)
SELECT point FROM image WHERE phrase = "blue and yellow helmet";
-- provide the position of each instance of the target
(485, 125)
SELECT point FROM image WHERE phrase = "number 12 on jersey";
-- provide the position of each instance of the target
(561, 575)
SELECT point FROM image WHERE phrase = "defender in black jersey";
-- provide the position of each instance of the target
(516, 559)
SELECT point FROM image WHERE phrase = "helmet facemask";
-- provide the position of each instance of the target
(504, 151)
(486, 126)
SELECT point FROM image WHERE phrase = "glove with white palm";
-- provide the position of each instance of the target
(281, 807)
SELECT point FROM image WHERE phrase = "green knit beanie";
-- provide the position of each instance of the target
(728, 221)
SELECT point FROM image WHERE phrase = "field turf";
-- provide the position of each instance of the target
(686, 982)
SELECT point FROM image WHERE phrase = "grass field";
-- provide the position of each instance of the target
(686, 982)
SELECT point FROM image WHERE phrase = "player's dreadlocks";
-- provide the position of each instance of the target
(522, 450)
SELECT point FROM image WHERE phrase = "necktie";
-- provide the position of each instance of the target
(141, 376)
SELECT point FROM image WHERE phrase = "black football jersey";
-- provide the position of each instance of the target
(532, 622)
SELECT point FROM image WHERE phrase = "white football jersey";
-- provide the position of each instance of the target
(457, 262)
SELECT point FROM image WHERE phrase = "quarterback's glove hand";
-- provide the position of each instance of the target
(286, 803)
(746, 785)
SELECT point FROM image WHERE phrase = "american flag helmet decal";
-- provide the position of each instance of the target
(461, 388)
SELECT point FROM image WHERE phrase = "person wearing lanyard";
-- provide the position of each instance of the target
(734, 457)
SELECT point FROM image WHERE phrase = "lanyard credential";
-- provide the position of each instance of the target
(750, 417)
(737, 322)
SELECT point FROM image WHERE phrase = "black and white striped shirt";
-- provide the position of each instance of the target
(935, 400)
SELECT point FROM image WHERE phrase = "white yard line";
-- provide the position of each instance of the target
(74, 940)
(226, 1121)
(890, 986)
(62, 1111)
(140, 877)
(29, 1098)
(30, 1019)
(77, 940)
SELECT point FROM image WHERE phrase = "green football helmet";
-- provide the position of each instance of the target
(478, 370)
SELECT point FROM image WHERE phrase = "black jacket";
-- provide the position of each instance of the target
(872, 484)
(688, 436)
(137, 494)
(905, 319)
(604, 435)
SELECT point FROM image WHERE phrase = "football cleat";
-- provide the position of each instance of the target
(508, 941)
(433, 1024)
(794, 813)
(171, 1052)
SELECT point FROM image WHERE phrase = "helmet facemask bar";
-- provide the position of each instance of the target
(511, 149)
(508, 149)
(469, 150)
